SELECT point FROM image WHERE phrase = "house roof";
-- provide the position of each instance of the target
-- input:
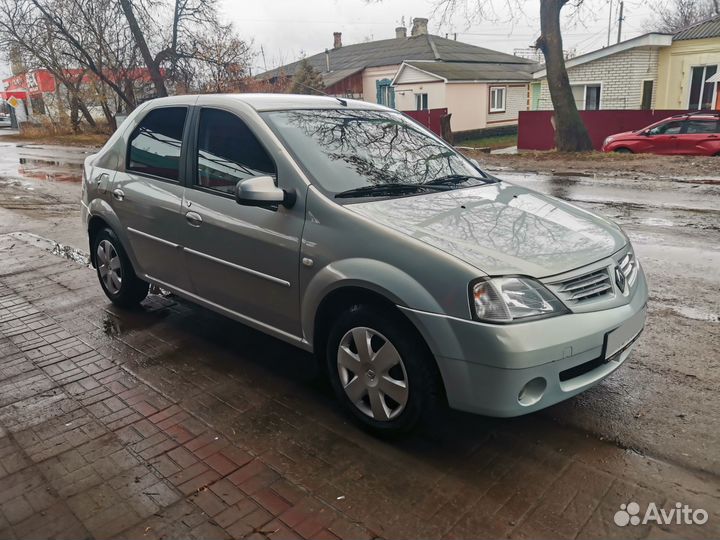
(388, 52)
(709, 28)
(651, 40)
(471, 71)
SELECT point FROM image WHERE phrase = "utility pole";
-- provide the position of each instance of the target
(610, 23)
(620, 20)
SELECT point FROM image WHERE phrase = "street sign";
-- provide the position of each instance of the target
(13, 102)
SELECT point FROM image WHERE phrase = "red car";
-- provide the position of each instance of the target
(696, 134)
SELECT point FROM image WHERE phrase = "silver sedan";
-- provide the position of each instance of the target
(346, 229)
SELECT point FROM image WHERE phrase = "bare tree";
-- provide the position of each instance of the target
(24, 30)
(570, 132)
(674, 15)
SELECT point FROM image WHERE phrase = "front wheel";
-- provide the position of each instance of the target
(623, 151)
(380, 371)
(115, 272)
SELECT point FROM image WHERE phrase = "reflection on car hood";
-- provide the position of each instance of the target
(501, 228)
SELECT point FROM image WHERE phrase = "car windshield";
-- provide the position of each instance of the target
(364, 153)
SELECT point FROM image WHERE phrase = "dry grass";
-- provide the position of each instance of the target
(60, 135)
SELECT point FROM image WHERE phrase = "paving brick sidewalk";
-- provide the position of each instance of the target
(175, 423)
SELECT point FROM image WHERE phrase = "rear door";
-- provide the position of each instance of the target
(147, 195)
(663, 139)
(242, 258)
(700, 137)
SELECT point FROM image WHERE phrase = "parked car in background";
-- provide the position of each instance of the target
(5, 121)
(345, 228)
(693, 134)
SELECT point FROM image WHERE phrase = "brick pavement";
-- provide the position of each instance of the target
(173, 422)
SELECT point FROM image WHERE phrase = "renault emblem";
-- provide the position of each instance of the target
(619, 279)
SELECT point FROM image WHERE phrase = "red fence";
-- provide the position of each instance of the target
(536, 132)
(429, 118)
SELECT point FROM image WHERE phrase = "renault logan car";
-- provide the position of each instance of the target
(695, 134)
(346, 229)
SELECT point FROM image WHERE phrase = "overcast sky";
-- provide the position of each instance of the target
(285, 29)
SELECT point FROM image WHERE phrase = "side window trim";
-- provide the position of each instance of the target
(191, 162)
(181, 160)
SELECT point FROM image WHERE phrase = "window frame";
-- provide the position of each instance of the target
(492, 90)
(193, 149)
(182, 172)
(419, 98)
(703, 82)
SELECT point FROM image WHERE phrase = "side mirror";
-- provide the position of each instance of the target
(262, 191)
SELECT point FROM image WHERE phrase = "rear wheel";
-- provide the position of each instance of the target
(381, 373)
(623, 151)
(115, 273)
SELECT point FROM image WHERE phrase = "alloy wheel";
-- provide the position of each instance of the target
(372, 374)
(109, 266)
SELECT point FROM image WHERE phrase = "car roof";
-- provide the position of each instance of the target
(275, 102)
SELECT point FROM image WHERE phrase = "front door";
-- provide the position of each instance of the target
(664, 138)
(147, 195)
(242, 258)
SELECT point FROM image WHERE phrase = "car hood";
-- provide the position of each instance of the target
(623, 134)
(501, 228)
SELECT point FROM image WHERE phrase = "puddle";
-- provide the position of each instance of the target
(49, 169)
(696, 314)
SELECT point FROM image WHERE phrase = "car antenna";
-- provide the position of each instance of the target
(342, 101)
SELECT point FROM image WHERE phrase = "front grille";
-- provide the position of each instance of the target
(628, 266)
(583, 288)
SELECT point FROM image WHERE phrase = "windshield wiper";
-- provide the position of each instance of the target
(382, 189)
(454, 179)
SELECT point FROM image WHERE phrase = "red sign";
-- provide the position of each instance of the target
(32, 82)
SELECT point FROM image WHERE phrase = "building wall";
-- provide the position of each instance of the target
(516, 100)
(621, 76)
(371, 76)
(468, 105)
(676, 64)
(405, 95)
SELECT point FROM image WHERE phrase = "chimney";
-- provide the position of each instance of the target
(419, 27)
(337, 40)
(327, 60)
(400, 32)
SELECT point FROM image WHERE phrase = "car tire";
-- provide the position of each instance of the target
(392, 386)
(115, 272)
(623, 151)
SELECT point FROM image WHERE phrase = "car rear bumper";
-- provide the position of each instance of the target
(512, 370)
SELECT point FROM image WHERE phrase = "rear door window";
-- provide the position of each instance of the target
(695, 127)
(228, 152)
(155, 145)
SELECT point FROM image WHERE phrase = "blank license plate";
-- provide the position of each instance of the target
(620, 337)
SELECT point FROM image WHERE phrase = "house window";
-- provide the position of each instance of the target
(647, 93)
(497, 99)
(587, 96)
(385, 93)
(702, 93)
(421, 102)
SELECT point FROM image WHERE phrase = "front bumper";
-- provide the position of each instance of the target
(510, 370)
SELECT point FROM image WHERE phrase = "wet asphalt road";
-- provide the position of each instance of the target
(663, 404)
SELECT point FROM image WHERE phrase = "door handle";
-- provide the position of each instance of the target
(194, 219)
(119, 194)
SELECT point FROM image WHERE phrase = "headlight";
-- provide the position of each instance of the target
(607, 141)
(507, 299)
